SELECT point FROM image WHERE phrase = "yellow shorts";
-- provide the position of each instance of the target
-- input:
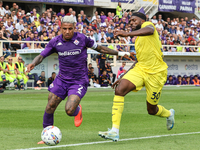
(153, 83)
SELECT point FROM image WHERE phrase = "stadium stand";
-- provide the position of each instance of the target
(18, 25)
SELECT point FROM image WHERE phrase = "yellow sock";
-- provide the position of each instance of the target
(162, 112)
(117, 109)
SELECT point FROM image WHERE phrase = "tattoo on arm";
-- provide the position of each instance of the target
(37, 60)
(106, 50)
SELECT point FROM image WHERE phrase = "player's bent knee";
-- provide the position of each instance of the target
(124, 87)
(119, 92)
(69, 111)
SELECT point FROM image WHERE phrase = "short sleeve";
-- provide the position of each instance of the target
(49, 49)
(90, 43)
(121, 68)
(147, 23)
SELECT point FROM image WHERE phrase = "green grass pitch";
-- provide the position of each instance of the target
(21, 114)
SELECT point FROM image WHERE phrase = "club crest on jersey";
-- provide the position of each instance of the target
(51, 85)
(59, 44)
(76, 42)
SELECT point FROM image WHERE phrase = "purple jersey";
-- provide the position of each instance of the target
(189, 82)
(59, 14)
(103, 17)
(28, 39)
(170, 82)
(81, 23)
(121, 68)
(72, 56)
(178, 83)
(187, 49)
(184, 82)
(163, 37)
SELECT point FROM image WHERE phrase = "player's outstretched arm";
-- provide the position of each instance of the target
(37, 60)
(148, 30)
(106, 50)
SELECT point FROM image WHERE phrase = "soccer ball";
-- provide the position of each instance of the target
(51, 135)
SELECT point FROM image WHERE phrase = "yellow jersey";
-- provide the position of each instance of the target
(37, 23)
(149, 52)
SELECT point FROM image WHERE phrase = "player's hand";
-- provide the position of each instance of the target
(127, 57)
(116, 83)
(30, 67)
(132, 53)
(120, 33)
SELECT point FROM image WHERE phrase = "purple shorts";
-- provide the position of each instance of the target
(62, 88)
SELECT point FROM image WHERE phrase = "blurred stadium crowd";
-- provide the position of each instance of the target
(18, 25)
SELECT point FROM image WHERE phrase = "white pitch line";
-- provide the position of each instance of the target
(100, 142)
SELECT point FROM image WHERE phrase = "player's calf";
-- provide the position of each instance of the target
(73, 108)
(53, 102)
(152, 110)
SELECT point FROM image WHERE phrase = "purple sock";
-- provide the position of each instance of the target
(76, 111)
(47, 120)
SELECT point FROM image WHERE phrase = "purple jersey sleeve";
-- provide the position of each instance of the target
(49, 49)
(121, 68)
(90, 43)
(191, 82)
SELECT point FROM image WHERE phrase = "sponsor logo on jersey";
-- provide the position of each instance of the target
(51, 85)
(59, 44)
(70, 52)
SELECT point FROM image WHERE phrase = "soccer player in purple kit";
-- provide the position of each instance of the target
(72, 79)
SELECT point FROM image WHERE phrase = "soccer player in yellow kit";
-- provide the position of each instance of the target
(150, 71)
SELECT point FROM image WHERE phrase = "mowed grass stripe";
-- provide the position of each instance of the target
(21, 115)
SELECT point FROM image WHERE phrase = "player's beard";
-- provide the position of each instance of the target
(69, 38)
(137, 27)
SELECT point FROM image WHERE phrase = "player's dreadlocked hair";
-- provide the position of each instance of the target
(67, 19)
(140, 15)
